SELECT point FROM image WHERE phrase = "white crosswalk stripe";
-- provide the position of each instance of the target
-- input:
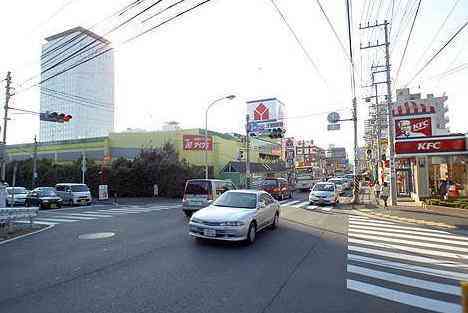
(63, 217)
(289, 203)
(403, 263)
(302, 204)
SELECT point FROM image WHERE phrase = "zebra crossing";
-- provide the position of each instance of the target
(61, 217)
(301, 204)
(416, 266)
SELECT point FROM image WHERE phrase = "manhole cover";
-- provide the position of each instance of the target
(96, 236)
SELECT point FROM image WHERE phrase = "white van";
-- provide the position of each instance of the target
(200, 193)
(74, 194)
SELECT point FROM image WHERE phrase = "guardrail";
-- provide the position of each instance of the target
(8, 215)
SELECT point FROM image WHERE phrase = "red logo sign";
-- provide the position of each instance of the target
(197, 142)
(261, 113)
(415, 127)
(430, 146)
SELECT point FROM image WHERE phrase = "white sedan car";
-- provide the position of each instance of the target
(324, 193)
(235, 216)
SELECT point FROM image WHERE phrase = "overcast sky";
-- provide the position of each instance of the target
(241, 47)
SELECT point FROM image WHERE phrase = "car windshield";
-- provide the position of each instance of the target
(337, 181)
(242, 200)
(323, 187)
(270, 183)
(198, 187)
(16, 190)
(79, 188)
(47, 193)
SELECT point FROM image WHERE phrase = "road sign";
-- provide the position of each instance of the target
(264, 127)
(333, 117)
(333, 127)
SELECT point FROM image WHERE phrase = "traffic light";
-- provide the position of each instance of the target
(55, 117)
(276, 133)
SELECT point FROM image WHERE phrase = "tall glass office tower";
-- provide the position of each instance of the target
(69, 85)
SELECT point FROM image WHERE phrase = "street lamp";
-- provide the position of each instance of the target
(230, 97)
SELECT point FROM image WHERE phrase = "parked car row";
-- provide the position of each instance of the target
(50, 197)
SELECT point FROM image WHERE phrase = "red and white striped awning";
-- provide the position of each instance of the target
(411, 107)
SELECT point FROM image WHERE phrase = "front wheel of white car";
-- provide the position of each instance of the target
(274, 224)
(251, 234)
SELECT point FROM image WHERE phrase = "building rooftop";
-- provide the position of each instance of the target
(76, 30)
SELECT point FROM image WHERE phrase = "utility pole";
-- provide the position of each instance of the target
(13, 184)
(34, 173)
(5, 120)
(83, 167)
(247, 151)
(391, 144)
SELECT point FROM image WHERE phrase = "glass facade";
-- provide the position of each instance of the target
(85, 91)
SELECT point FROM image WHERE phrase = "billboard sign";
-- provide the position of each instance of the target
(196, 143)
(415, 127)
(333, 127)
(430, 146)
(333, 117)
(265, 110)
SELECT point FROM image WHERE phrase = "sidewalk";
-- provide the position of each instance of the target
(409, 212)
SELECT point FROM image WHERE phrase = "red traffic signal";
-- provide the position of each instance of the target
(55, 117)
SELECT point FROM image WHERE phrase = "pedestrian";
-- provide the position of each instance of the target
(156, 190)
(443, 188)
(377, 189)
(384, 193)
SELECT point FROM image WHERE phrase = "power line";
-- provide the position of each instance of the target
(299, 42)
(334, 31)
(407, 42)
(161, 11)
(438, 52)
(98, 102)
(80, 102)
(426, 49)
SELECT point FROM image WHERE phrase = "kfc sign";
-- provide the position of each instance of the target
(196, 142)
(415, 127)
(430, 146)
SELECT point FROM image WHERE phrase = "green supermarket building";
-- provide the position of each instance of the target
(226, 152)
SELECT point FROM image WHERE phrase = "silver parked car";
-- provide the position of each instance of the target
(16, 195)
(72, 194)
(235, 216)
(324, 193)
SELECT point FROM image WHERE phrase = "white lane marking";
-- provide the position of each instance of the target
(402, 231)
(127, 211)
(406, 257)
(90, 215)
(409, 267)
(395, 226)
(107, 212)
(408, 242)
(404, 280)
(74, 217)
(394, 234)
(311, 207)
(408, 249)
(403, 297)
(37, 222)
(304, 203)
(290, 203)
(56, 220)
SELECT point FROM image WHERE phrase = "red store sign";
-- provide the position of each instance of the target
(197, 142)
(415, 127)
(430, 146)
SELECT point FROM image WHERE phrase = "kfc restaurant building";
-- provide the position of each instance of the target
(425, 154)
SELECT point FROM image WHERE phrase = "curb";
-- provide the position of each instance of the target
(26, 235)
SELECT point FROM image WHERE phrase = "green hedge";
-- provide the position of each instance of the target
(458, 203)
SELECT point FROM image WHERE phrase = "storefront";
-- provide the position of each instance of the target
(422, 163)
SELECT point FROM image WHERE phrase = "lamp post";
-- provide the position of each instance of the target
(230, 97)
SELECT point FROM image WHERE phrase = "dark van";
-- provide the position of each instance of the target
(200, 193)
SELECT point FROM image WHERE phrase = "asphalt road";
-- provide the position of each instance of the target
(152, 265)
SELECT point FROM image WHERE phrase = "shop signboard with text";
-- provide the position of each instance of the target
(432, 145)
(196, 143)
(414, 127)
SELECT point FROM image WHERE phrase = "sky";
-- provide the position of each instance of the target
(243, 47)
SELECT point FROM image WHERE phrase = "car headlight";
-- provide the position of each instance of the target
(45, 201)
(236, 223)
